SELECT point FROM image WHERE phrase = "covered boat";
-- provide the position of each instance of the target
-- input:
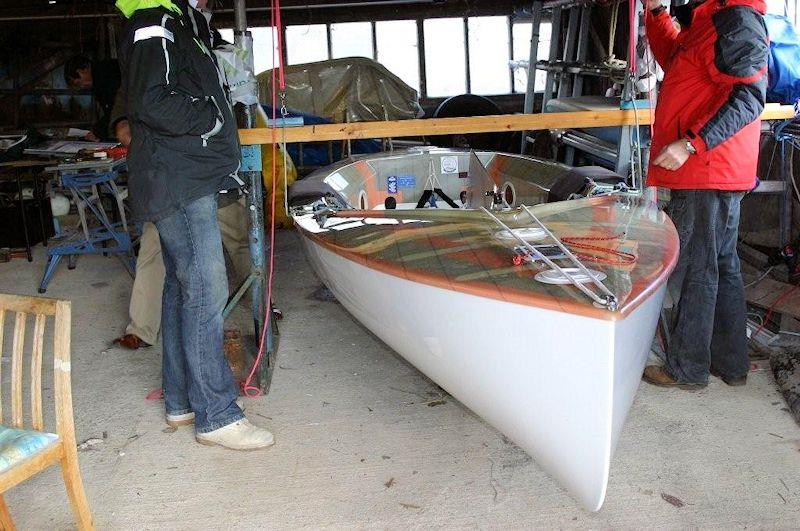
(536, 314)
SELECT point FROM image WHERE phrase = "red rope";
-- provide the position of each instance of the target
(277, 79)
(623, 258)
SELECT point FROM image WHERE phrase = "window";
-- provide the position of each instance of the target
(522, 46)
(398, 49)
(306, 44)
(265, 47)
(395, 44)
(351, 39)
(488, 55)
(445, 57)
(788, 8)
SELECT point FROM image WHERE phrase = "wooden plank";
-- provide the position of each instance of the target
(65, 426)
(19, 303)
(27, 163)
(2, 330)
(767, 291)
(17, 351)
(6, 522)
(31, 466)
(37, 420)
(776, 111)
(474, 124)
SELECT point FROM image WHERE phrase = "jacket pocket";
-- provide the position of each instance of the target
(218, 124)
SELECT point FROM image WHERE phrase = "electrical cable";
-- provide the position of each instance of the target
(759, 279)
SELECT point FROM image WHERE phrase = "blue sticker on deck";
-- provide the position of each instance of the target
(406, 181)
(395, 182)
(251, 158)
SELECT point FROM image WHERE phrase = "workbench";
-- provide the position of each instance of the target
(89, 182)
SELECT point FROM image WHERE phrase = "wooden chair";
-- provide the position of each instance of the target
(26, 452)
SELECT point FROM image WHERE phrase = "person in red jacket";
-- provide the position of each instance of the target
(705, 150)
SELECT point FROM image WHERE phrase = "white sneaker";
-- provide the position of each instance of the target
(176, 421)
(186, 419)
(240, 435)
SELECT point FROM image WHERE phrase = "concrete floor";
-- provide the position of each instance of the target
(361, 441)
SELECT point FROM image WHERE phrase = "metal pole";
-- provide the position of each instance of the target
(583, 44)
(255, 206)
(555, 44)
(240, 16)
(423, 74)
(565, 84)
(533, 55)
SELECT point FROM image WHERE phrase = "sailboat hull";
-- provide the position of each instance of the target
(558, 384)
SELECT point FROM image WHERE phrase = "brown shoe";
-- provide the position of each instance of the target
(733, 382)
(130, 342)
(657, 375)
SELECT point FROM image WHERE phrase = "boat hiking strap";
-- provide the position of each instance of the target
(428, 194)
(607, 300)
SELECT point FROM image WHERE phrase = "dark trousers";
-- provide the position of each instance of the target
(708, 327)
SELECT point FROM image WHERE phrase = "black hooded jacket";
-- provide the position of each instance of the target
(184, 137)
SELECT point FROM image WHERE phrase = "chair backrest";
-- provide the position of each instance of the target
(20, 310)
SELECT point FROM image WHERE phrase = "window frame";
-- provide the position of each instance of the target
(421, 63)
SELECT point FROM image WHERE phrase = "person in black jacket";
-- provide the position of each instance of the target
(184, 150)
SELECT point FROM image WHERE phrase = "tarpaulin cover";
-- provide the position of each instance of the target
(784, 60)
(352, 89)
(309, 154)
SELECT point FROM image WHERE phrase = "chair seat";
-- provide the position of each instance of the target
(17, 445)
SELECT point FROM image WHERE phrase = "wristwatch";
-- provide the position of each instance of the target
(689, 147)
(657, 11)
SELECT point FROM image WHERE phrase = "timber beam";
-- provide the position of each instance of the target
(475, 124)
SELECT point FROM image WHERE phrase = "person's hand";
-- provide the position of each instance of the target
(673, 156)
(649, 5)
(91, 137)
(123, 132)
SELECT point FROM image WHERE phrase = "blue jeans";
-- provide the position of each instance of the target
(708, 325)
(196, 376)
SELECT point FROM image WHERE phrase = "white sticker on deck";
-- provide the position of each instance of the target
(449, 165)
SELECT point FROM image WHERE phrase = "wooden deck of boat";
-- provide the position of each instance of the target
(461, 251)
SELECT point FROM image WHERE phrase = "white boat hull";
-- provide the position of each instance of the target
(557, 384)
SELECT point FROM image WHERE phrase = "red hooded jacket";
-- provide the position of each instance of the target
(713, 93)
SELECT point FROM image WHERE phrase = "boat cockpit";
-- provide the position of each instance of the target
(447, 178)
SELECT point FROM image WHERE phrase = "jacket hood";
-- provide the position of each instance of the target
(758, 5)
(129, 7)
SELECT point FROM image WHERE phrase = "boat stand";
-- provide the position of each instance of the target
(264, 315)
